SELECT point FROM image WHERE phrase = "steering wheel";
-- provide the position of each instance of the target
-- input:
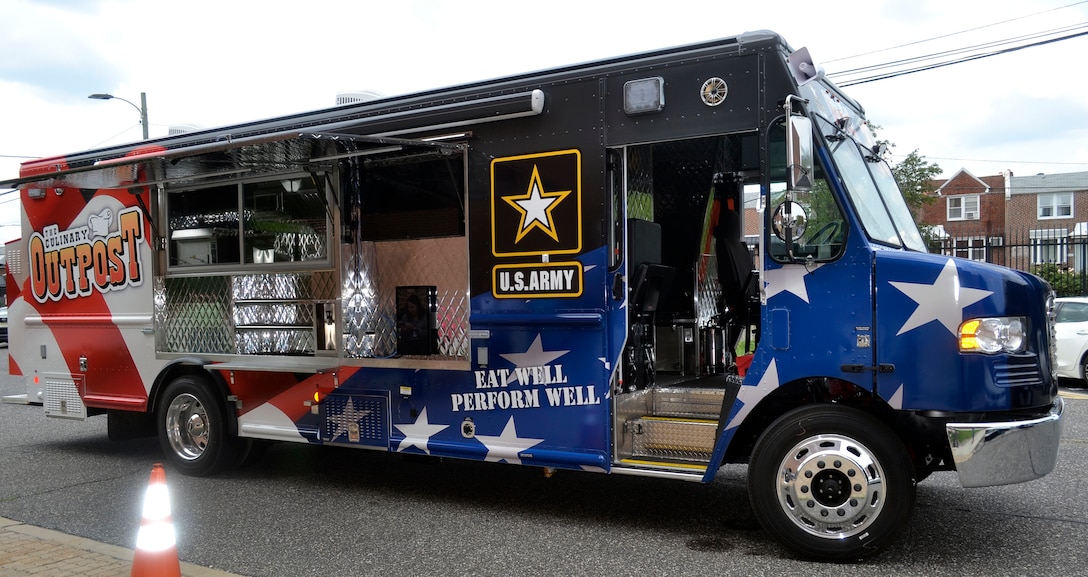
(826, 233)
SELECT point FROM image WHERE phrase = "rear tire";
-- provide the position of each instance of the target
(192, 425)
(831, 483)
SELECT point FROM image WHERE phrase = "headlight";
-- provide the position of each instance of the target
(992, 335)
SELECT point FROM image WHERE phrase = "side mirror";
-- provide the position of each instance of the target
(799, 173)
(789, 222)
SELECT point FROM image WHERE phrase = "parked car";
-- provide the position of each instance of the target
(1072, 331)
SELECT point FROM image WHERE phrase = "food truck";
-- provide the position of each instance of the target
(654, 265)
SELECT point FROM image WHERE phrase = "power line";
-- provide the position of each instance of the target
(956, 33)
(124, 131)
(928, 157)
(1011, 162)
(957, 61)
(967, 49)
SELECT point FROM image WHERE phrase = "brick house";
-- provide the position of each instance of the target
(968, 216)
(1017, 221)
(1047, 220)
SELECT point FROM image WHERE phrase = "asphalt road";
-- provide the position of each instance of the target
(324, 511)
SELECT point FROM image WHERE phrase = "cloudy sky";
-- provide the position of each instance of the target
(215, 63)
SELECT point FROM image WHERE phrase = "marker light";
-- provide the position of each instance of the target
(992, 335)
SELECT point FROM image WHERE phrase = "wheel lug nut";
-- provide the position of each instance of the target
(857, 488)
(838, 464)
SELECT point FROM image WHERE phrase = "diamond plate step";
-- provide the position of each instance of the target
(673, 438)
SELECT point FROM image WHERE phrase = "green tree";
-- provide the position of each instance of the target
(915, 177)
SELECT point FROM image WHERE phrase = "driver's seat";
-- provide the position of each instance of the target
(736, 274)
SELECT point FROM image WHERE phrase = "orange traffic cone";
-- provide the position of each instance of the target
(156, 544)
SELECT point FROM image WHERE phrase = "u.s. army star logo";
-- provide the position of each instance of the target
(536, 207)
(536, 204)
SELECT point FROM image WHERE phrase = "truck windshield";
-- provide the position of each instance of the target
(871, 188)
(869, 182)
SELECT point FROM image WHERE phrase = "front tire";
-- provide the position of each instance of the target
(831, 483)
(192, 425)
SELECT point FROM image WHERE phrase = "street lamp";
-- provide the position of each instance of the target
(142, 107)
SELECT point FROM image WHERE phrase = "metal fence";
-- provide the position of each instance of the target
(1057, 255)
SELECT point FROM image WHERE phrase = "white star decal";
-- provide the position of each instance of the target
(536, 207)
(751, 394)
(349, 415)
(789, 279)
(508, 445)
(896, 402)
(419, 433)
(942, 301)
(535, 356)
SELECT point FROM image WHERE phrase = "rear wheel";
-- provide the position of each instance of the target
(192, 425)
(1084, 371)
(831, 482)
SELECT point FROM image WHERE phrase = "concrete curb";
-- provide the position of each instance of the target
(120, 554)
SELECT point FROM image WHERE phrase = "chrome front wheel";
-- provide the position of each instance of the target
(831, 486)
(831, 482)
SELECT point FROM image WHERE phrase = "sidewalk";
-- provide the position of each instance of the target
(26, 550)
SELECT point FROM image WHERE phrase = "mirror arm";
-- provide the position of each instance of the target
(788, 232)
(789, 103)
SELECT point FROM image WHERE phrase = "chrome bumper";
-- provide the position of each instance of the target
(1003, 453)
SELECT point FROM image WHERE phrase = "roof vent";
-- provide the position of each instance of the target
(181, 129)
(357, 96)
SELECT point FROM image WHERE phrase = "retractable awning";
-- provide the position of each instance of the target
(278, 145)
(283, 152)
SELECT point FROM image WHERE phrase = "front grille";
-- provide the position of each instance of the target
(1018, 373)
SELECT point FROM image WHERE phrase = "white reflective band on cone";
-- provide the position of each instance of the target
(156, 537)
(156, 502)
(157, 533)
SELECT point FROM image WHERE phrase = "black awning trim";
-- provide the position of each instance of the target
(289, 151)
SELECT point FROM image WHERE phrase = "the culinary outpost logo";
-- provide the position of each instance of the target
(97, 256)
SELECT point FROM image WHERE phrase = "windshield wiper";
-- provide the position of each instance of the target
(874, 154)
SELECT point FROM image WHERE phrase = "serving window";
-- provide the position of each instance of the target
(262, 222)
(409, 195)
